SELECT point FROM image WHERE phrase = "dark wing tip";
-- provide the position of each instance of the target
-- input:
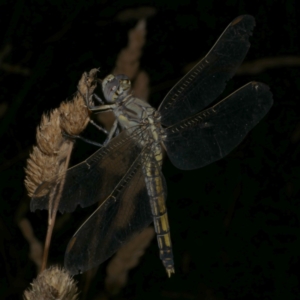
(41, 197)
(72, 269)
(248, 20)
(69, 264)
(244, 23)
(38, 198)
(264, 92)
(33, 205)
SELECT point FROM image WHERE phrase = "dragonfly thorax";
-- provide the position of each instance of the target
(115, 88)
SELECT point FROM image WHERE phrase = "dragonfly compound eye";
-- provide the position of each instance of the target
(124, 86)
(109, 85)
(115, 88)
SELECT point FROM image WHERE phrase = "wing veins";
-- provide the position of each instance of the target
(78, 178)
(207, 80)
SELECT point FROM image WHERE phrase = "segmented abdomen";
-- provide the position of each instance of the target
(156, 192)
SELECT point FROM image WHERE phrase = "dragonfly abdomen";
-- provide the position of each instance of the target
(155, 188)
(162, 229)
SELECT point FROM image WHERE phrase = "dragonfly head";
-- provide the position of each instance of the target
(115, 88)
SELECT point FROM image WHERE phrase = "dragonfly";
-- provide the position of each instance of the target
(124, 176)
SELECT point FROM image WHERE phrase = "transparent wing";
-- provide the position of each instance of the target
(125, 212)
(210, 135)
(207, 80)
(92, 180)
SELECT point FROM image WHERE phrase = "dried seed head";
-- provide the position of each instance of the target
(40, 167)
(87, 83)
(48, 135)
(53, 283)
(74, 114)
(49, 158)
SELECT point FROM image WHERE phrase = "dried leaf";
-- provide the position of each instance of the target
(36, 248)
(125, 259)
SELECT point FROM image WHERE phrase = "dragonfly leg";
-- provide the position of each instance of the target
(69, 136)
(98, 127)
(117, 131)
(98, 99)
(100, 108)
(112, 131)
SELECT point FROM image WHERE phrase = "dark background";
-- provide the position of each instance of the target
(235, 223)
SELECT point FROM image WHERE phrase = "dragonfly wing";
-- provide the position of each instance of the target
(207, 80)
(210, 135)
(92, 180)
(125, 212)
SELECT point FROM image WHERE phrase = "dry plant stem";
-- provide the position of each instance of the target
(53, 206)
(259, 65)
(9, 68)
(138, 13)
(73, 117)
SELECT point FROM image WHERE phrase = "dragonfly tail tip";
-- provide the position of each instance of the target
(170, 271)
